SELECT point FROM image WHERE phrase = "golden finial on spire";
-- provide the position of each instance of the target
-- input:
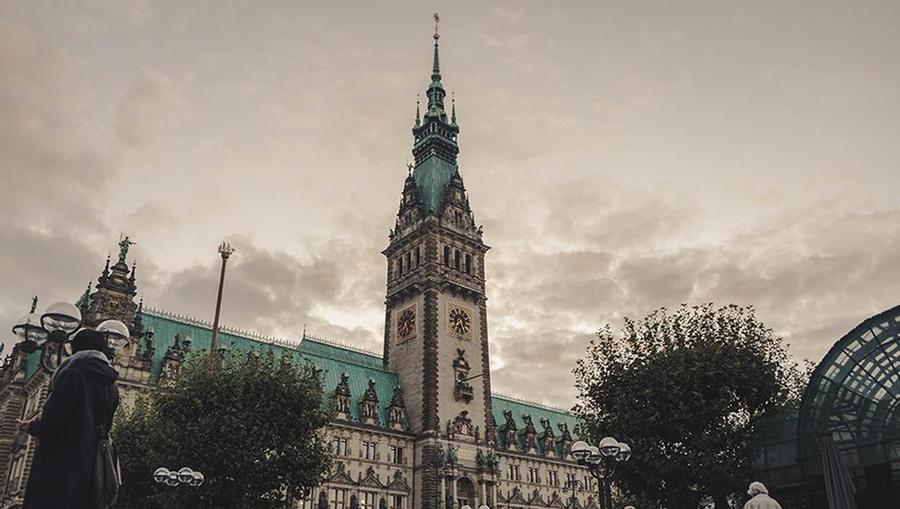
(437, 20)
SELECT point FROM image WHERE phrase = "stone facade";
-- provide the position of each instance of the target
(415, 426)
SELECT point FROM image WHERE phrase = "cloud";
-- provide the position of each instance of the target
(146, 107)
(620, 161)
(804, 273)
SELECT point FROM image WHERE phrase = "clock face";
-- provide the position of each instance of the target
(406, 324)
(459, 322)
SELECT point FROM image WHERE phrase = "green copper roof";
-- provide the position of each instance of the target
(500, 404)
(432, 177)
(332, 359)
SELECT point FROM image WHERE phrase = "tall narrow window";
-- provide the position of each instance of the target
(447, 256)
(468, 263)
(400, 266)
(338, 498)
(368, 450)
(456, 259)
(418, 255)
(409, 264)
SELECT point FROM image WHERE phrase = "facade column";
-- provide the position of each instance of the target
(453, 486)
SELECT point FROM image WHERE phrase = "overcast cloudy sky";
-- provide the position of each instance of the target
(622, 156)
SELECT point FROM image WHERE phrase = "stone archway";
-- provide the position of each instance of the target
(465, 493)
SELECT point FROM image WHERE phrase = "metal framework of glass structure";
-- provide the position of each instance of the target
(853, 396)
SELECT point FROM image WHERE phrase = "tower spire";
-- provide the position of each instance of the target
(436, 67)
(436, 91)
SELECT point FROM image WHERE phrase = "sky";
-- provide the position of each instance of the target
(622, 156)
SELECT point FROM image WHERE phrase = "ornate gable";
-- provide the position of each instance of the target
(340, 475)
(368, 405)
(398, 483)
(396, 411)
(341, 408)
(536, 498)
(370, 480)
(546, 438)
(528, 434)
(564, 444)
(556, 501)
(516, 497)
(508, 431)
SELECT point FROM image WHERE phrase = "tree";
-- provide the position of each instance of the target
(251, 424)
(685, 389)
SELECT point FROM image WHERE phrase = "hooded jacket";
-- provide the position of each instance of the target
(83, 394)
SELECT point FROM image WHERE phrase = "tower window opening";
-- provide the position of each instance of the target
(409, 260)
(447, 256)
(418, 255)
(456, 259)
(400, 266)
(468, 264)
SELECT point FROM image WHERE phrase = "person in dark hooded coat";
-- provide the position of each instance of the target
(83, 393)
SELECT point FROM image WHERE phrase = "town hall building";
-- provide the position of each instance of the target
(416, 426)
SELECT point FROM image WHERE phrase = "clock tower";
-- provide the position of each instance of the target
(436, 336)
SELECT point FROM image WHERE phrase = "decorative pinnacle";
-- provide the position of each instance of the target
(453, 107)
(33, 304)
(418, 120)
(225, 250)
(437, 19)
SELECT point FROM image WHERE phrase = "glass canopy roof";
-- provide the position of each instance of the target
(854, 393)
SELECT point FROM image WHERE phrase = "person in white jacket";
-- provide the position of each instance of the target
(761, 498)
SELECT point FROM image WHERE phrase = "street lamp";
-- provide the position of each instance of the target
(28, 329)
(116, 333)
(600, 460)
(225, 251)
(182, 477)
(57, 325)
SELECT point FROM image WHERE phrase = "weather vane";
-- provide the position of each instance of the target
(437, 20)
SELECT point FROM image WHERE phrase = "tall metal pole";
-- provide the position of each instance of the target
(225, 250)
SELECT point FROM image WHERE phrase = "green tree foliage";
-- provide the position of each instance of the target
(685, 389)
(252, 424)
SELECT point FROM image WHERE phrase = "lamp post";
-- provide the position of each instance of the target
(57, 325)
(225, 250)
(600, 460)
(174, 478)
